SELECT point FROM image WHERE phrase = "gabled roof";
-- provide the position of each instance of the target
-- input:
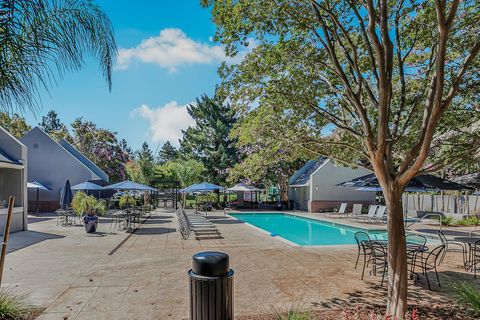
(72, 152)
(306, 172)
(86, 162)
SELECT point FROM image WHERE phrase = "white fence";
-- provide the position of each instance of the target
(460, 204)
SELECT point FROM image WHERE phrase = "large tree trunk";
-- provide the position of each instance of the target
(397, 255)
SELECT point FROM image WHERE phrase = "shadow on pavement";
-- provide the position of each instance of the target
(20, 240)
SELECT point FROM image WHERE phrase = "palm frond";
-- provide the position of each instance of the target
(40, 40)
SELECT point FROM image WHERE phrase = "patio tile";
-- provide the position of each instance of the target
(146, 277)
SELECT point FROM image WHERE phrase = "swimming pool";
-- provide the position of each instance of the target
(304, 231)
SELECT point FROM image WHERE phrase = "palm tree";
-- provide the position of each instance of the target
(41, 39)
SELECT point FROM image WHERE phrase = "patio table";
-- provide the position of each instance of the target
(473, 252)
(413, 250)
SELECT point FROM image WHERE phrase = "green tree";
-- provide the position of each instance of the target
(187, 172)
(102, 147)
(133, 172)
(266, 140)
(208, 141)
(52, 125)
(146, 163)
(167, 153)
(15, 124)
(395, 81)
(41, 39)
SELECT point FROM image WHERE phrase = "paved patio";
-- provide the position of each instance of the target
(115, 275)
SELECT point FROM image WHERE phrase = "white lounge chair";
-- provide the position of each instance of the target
(340, 213)
(380, 216)
(357, 210)
(372, 210)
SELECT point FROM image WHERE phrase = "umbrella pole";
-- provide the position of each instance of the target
(37, 200)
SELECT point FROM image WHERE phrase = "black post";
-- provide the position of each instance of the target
(211, 287)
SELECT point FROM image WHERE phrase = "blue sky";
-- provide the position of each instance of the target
(166, 60)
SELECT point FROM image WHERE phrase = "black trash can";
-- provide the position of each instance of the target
(211, 287)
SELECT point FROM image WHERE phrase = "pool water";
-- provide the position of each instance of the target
(304, 231)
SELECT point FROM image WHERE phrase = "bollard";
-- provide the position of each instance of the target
(211, 287)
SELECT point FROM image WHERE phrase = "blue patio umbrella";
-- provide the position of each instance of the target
(202, 187)
(66, 195)
(38, 186)
(129, 185)
(88, 186)
(424, 182)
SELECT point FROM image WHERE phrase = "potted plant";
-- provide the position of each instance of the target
(90, 208)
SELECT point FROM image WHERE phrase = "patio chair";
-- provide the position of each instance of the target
(452, 246)
(377, 258)
(340, 213)
(474, 258)
(380, 215)
(416, 238)
(357, 210)
(413, 255)
(430, 262)
(363, 249)
(370, 215)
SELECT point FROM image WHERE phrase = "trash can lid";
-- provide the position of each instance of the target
(210, 264)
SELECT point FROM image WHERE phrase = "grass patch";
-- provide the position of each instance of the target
(467, 295)
(14, 305)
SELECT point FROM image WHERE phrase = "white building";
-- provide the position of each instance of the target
(13, 180)
(314, 187)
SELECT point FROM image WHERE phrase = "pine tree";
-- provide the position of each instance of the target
(208, 141)
(51, 122)
(167, 153)
(147, 163)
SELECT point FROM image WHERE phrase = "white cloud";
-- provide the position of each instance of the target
(166, 122)
(172, 48)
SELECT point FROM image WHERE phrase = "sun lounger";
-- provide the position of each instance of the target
(340, 213)
(372, 210)
(357, 210)
(380, 215)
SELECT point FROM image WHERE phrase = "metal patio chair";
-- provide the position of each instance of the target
(452, 246)
(363, 249)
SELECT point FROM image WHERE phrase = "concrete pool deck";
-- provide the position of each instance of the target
(78, 276)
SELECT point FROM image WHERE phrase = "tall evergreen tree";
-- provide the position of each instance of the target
(52, 125)
(167, 153)
(208, 141)
(147, 163)
(51, 122)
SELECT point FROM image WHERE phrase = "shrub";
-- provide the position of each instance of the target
(294, 313)
(13, 305)
(467, 295)
(126, 200)
(447, 221)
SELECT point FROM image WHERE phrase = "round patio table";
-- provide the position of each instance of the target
(413, 250)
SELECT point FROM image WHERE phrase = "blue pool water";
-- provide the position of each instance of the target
(305, 231)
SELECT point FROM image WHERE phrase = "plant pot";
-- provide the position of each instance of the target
(91, 223)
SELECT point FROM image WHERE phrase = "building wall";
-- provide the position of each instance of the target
(325, 194)
(13, 181)
(300, 197)
(50, 164)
